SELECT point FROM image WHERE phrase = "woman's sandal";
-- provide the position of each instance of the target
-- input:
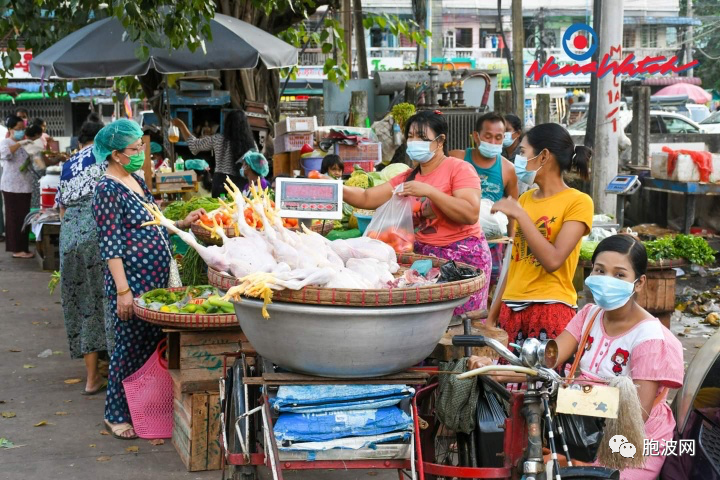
(103, 386)
(26, 255)
(118, 429)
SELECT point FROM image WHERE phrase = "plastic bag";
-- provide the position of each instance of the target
(583, 435)
(451, 272)
(494, 225)
(393, 224)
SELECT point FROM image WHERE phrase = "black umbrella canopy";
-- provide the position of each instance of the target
(102, 50)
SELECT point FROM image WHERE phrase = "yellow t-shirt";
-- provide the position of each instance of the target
(527, 279)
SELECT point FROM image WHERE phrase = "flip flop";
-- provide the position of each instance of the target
(116, 430)
(23, 256)
(99, 389)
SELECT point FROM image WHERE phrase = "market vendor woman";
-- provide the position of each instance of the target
(138, 259)
(538, 298)
(448, 190)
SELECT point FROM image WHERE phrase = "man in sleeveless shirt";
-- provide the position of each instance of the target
(497, 174)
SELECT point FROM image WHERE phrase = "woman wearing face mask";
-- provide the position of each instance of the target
(448, 190)
(17, 187)
(255, 166)
(513, 136)
(138, 258)
(623, 339)
(538, 298)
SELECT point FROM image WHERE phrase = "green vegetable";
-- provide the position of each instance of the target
(377, 178)
(208, 203)
(161, 295)
(401, 112)
(661, 249)
(393, 170)
(217, 301)
(359, 178)
(587, 249)
(193, 270)
(690, 247)
(175, 211)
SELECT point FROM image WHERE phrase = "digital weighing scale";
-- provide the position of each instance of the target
(305, 198)
(622, 186)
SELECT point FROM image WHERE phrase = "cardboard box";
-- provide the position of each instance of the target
(176, 180)
(291, 142)
(286, 163)
(296, 124)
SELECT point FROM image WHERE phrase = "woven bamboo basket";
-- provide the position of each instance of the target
(185, 320)
(385, 297)
(205, 237)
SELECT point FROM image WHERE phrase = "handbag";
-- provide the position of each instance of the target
(583, 434)
(174, 280)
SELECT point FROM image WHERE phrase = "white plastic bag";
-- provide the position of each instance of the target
(494, 225)
(392, 223)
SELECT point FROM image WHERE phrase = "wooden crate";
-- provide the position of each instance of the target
(196, 430)
(658, 296)
(195, 358)
(48, 248)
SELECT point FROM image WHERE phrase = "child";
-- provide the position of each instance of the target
(623, 339)
(332, 165)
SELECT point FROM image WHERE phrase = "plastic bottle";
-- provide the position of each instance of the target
(179, 164)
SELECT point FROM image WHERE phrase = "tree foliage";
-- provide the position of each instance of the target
(37, 24)
(706, 41)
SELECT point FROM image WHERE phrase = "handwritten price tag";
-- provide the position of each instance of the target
(589, 400)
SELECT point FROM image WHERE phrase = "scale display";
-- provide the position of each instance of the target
(623, 185)
(309, 199)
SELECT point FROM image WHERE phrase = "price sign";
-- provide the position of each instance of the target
(309, 199)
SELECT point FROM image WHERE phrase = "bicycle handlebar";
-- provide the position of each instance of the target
(503, 368)
(481, 341)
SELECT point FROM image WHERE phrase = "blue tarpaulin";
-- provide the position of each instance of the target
(320, 427)
(326, 398)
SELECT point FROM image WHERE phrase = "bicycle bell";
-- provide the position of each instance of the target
(535, 353)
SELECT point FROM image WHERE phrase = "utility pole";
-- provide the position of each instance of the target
(689, 39)
(518, 42)
(360, 50)
(347, 27)
(428, 27)
(436, 7)
(607, 120)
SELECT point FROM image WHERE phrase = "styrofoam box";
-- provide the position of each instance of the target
(296, 124)
(658, 165)
(715, 174)
(686, 170)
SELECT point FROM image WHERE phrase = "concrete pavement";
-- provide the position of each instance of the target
(70, 446)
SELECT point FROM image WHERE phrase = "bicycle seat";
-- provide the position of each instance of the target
(587, 473)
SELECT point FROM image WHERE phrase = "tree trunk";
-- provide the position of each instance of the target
(361, 51)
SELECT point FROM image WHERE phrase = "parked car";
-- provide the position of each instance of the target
(712, 123)
(660, 122)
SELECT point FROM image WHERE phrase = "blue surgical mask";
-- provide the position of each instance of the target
(508, 140)
(523, 174)
(489, 150)
(19, 134)
(419, 151)
(610, 293)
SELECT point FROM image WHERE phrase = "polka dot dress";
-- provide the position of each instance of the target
(119, 215)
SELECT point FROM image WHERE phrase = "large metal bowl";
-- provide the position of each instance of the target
(345, 342)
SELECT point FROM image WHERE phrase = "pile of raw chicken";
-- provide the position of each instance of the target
(275, 258)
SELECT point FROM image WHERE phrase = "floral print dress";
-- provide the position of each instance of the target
(81, 267)
(119, 216)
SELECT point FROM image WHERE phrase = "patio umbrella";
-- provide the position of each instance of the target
(697, 94)
(102, 50)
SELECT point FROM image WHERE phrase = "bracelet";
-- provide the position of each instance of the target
(177, 225)
(123, 292)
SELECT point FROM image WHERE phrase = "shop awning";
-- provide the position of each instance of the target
(670, 21)
(28, 96)
(664, 81)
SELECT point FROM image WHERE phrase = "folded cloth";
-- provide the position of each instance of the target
(320, 427)
(329, 398)
(457, 403)
(350, 443)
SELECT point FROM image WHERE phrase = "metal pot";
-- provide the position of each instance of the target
(345, 342)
